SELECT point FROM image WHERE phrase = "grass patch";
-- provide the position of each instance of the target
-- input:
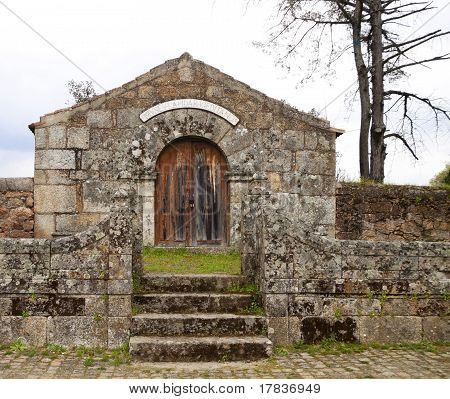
(56, 349)
(249, 288)
(121, 355)
(88, 362)
(135, 309)
(136, 283)
(83, 351)
(281, 351)
(18, 346)
(184, 261)
(330, 346)
(255, 307)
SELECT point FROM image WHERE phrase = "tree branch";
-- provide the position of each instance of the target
(438, 58)
(425, 100)
(399, 7)
(397, 45)
(401, 52)
(397, 136)
(407, 14)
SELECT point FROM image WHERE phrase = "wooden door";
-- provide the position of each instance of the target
(191, 195)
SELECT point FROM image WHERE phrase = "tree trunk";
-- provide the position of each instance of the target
(364, 95)
(377, 147)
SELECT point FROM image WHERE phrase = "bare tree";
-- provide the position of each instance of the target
(81, 91)
(383, 47)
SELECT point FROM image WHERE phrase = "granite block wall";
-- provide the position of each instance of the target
(73, 290)
(16, 207)
(386, 212)
(363, 212)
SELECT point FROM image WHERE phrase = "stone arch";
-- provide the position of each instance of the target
(198, 137)
(171, 125)
(164, 128)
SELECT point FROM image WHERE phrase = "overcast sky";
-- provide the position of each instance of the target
(115, 41)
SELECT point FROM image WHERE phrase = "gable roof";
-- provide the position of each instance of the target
(184, 61)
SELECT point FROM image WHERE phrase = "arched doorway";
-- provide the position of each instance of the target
(191, 202)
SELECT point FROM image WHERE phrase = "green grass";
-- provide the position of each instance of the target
(332, 347)
(184, 261)
(255, 308)
(18, 346)
(249, 288)
(88, 362)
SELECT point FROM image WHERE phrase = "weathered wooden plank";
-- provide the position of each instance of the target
(180, 202)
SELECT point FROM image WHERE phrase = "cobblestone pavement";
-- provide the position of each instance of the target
(369, 364)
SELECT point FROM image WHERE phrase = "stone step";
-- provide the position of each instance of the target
(199, 349)
(207, 324)
(164, 282)
(195, 303)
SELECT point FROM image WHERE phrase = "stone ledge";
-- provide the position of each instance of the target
(24, 246)
(16, 184)
(82, 239)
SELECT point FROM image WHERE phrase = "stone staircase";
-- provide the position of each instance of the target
(191, 318)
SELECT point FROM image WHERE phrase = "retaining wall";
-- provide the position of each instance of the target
(16, 207)
(74, 290)
(316, 287)
(384, 212)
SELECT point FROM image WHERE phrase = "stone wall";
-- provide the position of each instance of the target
(384, 212)
(16, 207)
(70, 291)
(316, 287)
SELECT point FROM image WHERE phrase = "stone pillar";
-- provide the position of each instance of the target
(122, 251)
(238, 187)
(252, 239)
(146, 193)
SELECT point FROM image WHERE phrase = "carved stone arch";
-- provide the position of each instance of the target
(171, 125)
(166, 127)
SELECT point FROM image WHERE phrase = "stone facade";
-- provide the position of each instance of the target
(16, 208)
(85, 153)
(385, 212)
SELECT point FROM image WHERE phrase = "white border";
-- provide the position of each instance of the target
(189, 103)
